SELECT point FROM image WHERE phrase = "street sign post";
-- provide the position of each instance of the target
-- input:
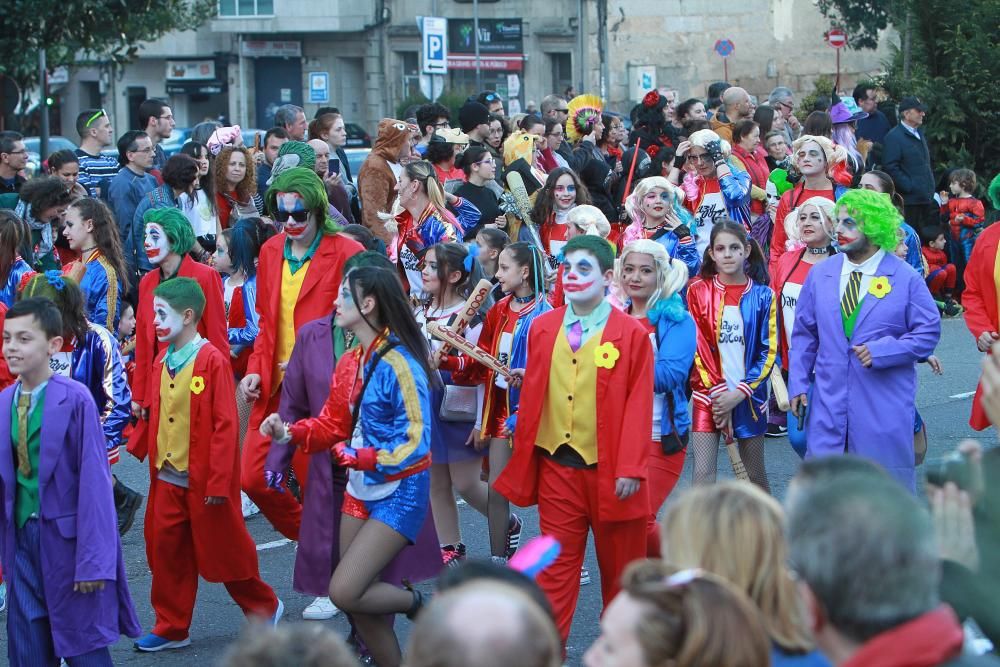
(837, 38)
(725, 48)
(435, 45)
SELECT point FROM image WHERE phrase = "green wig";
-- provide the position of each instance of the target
(994, 192)
(368, 258)
(877, 217)
(306, 153)
(182, 293)
(308, 185)
(176, 225)
(596, 246)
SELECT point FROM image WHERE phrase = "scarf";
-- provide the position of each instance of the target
(928, 640)
(46, 244)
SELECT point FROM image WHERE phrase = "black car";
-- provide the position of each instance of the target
(357, 137)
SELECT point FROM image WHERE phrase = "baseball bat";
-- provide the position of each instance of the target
(448, 335)
(468, 312)
(739, 470)
(780, 390)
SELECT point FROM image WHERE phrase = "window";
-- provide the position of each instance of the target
(235, 8)
(410, 65)
(562, 71)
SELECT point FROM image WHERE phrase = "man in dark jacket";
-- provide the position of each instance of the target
(906, 157)
(867, 562)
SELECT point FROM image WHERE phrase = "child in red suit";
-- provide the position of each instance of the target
(966, 215)
(194, 526)
(941, 275)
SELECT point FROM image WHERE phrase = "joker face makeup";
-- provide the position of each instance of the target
(849, 236)
(810, 159)
(156, 243)
(168, 322)
(297, 221)
(582, 279)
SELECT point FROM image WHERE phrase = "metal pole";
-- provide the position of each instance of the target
(838, 69)
(581, 48)
(475, 31)
(43, 108)
(244, 114)
(725, 68)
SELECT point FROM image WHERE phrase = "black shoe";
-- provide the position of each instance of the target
(420, 600)
(776, 431)
(126, 505)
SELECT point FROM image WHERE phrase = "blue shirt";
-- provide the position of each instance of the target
(591, 323)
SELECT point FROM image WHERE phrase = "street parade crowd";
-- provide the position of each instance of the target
(560, 309)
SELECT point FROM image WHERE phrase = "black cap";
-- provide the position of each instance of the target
(908, 103)
(473, 114)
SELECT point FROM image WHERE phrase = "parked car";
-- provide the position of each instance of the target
(357, 136)
(355, 157)
(33, 144)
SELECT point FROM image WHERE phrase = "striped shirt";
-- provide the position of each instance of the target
(96, 171)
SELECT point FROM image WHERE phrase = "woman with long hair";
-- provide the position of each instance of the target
(199, 206)
(91, 230)
(735, 314)
(14, 234)
(499, 131)
(704, 527)
(656, 210)
(563, 191)
(376, 423)
(235, 184)
(649, 283)
(426, 220)
(66, 165)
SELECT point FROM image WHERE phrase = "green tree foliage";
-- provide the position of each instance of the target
(74, 31)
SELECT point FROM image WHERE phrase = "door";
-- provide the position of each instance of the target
(277, 81)
(350, 84)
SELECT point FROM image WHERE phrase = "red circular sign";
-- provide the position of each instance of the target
(836, 38)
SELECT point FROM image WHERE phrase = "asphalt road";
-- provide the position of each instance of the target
(944, 402)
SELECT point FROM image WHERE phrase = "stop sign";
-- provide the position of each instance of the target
(836, 38)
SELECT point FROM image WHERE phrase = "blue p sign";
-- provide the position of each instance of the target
(435, 47)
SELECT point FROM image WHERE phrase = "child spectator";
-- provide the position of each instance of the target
(965, 213)
(941, 275)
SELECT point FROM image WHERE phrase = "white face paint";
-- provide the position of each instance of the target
(156, 243)
(168, 322)
(583, 282)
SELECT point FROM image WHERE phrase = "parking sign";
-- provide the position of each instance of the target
(435, 45)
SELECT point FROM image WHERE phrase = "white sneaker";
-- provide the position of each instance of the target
(249, 508)
(320, 609)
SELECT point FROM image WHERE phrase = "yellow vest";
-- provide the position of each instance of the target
(291, 285)
(173, 437)
(569, 416)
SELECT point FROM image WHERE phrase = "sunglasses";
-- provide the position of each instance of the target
(297, 216)
(97, 115)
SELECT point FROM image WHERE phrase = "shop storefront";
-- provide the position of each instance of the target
(501, 58)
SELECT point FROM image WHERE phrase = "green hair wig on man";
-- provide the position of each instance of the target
(306, 153)
(175, 224)
(307, 185)
(596, 246)
(994, 191)
(182, 293)
(877, 217)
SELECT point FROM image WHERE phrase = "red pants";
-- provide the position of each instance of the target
(664, 472)
(943, 278)
(567, 510)
(175, 570)
(281, 509)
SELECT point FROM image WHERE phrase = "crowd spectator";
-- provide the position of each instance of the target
(13, 159)
(127, 189)
(906, 157)
(292, 119)
(875, 126)
(735, 109)
(782, 100)
(96, 169)
(66, 165)
(273, 141)
(157, 120)
(430, 118)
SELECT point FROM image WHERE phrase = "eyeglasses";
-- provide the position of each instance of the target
(486, 161)
(700, 157)
(297, 216)
(20, 152)
(167, 117)
(97, 115)
(563, 110)
(443, 125)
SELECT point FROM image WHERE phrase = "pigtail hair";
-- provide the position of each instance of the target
(756, 268)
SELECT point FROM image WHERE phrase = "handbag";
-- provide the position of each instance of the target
(459, 404)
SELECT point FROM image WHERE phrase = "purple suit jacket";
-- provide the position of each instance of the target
(79, 527)
(864, 411)
(303, 393)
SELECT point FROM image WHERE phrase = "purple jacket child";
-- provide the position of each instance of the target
(303, 393)
(78, 528)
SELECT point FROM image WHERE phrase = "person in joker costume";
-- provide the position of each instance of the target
(298, 275)
(860, 356)
(194, 526)
(574, 458)
(168, 238)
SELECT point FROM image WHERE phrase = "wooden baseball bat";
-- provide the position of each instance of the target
(739, 470)
(468, 312)
(780, 390)
(449, 336)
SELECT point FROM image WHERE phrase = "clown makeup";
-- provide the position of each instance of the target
(813, 230)
(583, 282)
(156, 243)
(655, 205)
(168, 322)
(223, 263)
(729, 253)
(902, 251)
(849, 237)
(295, 218)
(564, 193)
(639, 276)
(810, 159)
(347, 314)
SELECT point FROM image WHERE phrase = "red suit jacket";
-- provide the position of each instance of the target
(224, 548)
(624, 413)
(319, 291)
(980, 301)
(212, 325)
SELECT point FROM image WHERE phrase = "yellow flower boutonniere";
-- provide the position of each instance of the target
(197, 384)
(606, 355)
(879, 287)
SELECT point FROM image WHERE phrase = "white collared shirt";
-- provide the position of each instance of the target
(912, 130)
(867, 269)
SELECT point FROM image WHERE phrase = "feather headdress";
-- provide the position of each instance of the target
(584, 112)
